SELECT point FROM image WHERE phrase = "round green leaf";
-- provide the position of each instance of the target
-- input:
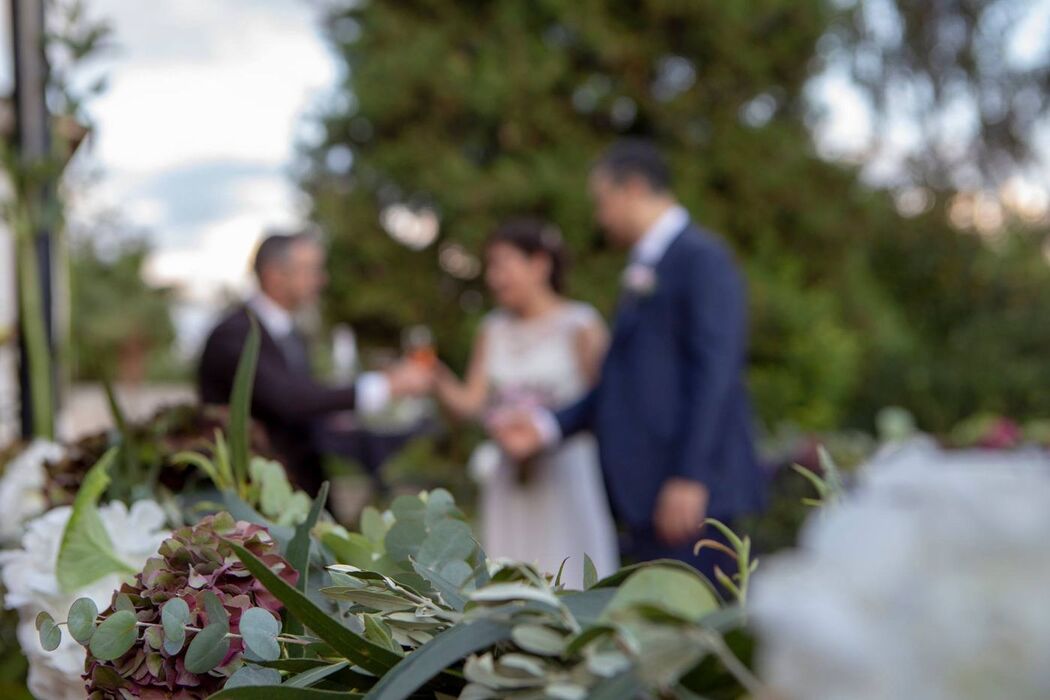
(449, 540)
(260, 629)
(175, 615)
(440, 505)
(208, 649)
(404, 539)
(81, 621)
(372, 525)
(114, 636)
(677, 592)
(50, 634)
(215, 610)
(408, 508)
(124, 603)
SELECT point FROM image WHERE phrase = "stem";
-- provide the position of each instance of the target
(34, 328)
(734, 665)
(233, 635)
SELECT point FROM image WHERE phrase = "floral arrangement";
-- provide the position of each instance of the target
(32, 586)
(22, 487)
(178, 628)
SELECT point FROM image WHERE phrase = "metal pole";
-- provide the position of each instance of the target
(34, 143)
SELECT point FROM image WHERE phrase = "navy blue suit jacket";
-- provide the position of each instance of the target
(672, 401)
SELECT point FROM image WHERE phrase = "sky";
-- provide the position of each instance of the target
(196, 131)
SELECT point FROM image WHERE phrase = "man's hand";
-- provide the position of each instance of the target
(680, 511)
(517, 434)
(409, 378)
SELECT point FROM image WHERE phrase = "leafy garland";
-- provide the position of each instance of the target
(409, 604)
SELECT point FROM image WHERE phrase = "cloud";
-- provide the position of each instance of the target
(196, 131)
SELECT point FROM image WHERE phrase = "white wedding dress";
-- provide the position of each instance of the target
(559, 510)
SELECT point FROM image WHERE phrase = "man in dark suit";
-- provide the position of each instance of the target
(286, 399)
(671, 412)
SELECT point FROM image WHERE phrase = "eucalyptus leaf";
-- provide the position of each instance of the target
(409, 508)
(372, 526)
(356, 649)
(260, 628)
(404, 539)
(215, 610)
(354, 549)
(81, 620)
(114, 636)
(457, 572)
(448, 541)
(680, 593)
(440, 505)
(49, 633)
(207, 649)
(174, 616)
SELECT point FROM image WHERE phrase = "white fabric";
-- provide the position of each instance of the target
(561, 510)
(277, 320)
(373, 392)
(650, 248)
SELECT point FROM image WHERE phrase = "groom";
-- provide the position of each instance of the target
(671, 412)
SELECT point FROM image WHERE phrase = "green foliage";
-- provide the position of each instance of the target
(508, 630)
(499, 109)
(240, 409)
(121, 326)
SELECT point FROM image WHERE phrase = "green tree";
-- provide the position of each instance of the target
(483, 109)
(121, 326)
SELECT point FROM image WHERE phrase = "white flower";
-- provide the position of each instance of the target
(928, 582)
(22, 485)
(639, 279)
(29, 576)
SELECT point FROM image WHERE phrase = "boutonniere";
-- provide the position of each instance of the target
(639, 279)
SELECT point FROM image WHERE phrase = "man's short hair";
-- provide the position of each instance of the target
(276, 246)
(635, 157)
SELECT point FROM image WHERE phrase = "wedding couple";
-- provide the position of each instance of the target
(651, 427)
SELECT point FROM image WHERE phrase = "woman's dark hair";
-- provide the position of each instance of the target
(533, 237)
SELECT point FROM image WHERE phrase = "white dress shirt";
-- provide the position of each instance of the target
(650, 248)
(647, 251)
(372, 388)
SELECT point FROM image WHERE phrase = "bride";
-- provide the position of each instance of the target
(536, 348)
